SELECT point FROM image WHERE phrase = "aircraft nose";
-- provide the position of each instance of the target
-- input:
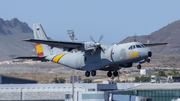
(149, 54)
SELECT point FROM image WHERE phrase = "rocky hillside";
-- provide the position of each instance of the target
(169, 34)
(11, 34)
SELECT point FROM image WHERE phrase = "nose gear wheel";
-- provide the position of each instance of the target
(139, 66)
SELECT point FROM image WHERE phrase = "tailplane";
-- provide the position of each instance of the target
(41, 49)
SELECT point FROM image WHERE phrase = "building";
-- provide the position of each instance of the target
(14, 80)
(157, 91)
(145, 71)
(49, 91)
(107, 91)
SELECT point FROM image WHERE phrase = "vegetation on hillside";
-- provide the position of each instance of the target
(142, 79)
(59, 80)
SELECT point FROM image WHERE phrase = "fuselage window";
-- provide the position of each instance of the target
(138, 46)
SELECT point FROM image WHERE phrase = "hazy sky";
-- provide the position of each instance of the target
(115, 19)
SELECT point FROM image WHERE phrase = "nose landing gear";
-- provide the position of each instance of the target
(148, 60)
(139, 66)
(145, 60)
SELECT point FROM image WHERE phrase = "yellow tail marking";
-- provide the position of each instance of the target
(39, 50)
(57, 57)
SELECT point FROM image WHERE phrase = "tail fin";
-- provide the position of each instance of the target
(41, 49)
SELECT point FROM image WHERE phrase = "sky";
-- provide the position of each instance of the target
(114, 19)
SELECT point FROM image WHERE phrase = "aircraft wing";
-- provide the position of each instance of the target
(58, 44)
(154, 44)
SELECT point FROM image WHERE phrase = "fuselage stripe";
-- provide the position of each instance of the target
(111, 54)
(57, 57)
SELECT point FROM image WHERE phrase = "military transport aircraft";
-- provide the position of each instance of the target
(89, 56)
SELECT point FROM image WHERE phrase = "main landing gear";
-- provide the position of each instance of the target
(109, 73)
(87, 73)
(93, 73)
(115, 73)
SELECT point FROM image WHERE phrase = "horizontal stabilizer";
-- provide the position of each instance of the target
(35, 58)
(154, 44)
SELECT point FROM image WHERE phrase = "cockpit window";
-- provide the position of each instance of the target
(142, 46)
(138, 46)
(132, 47)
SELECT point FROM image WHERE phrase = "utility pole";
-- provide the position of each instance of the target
(72, 37)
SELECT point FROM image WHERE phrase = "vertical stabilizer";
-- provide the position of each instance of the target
(41, 49)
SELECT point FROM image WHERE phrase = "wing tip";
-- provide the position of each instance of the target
(155, 44)
(26, 39)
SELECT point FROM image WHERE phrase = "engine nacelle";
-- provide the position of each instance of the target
(89, 46)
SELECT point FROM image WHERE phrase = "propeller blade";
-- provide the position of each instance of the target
(100, 38)
(97, 44)
(92, 39)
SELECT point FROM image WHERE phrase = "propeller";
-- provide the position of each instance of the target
(97, 44)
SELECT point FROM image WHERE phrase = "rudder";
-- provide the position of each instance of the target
(41, 49)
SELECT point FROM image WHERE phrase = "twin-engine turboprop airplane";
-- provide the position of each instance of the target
(91, 56)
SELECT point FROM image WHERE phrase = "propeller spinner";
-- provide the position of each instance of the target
(97, 44)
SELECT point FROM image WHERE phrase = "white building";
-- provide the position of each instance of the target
(51, 91)
(145, 72)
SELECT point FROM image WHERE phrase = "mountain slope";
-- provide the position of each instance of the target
(11, 34)
(169, 34)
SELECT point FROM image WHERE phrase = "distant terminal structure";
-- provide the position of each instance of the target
(106, 91)
(50, 91)
(14, 80)
(164, 79)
